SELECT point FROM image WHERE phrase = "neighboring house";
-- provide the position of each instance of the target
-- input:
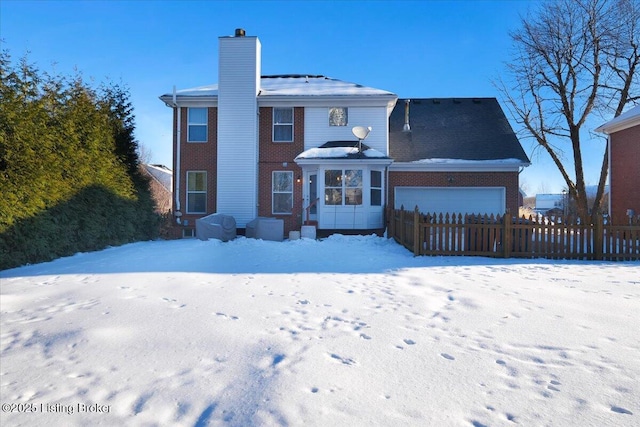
(624, 165)
(160, 184)
(550, 202)
(271, 146)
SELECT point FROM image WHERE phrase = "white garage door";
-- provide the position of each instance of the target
(473, 200)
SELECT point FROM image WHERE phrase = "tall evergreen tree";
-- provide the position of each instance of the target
(69, 177)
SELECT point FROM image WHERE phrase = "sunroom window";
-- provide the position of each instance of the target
(343, 187)
(376, 188)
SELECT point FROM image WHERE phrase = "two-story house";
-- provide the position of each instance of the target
(283, 146)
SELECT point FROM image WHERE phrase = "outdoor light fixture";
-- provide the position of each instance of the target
(298, 179)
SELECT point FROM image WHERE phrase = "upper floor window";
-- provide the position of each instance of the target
(283, 124)
(338, 116)
(197, 129)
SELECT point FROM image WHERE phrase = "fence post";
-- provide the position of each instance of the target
(506, 234)
(416, 231)
(598, 236)
(390, 219)
(402, 225)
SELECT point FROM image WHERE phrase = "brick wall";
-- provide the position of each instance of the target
(625, 174)
(196, 156)
(509, 180)
(272, 156)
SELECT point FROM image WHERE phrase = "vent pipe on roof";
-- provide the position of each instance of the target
(240, 32)
(406, 127)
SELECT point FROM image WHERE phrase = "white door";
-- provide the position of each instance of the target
(310, 194)
(464, 200)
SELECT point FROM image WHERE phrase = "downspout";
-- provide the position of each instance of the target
(386, 202)
(609, 175)
(179, 137)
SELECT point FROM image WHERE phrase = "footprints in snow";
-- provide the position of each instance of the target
(343, 360)
(226, 316)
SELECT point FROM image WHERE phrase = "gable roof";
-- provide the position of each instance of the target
(453, 129)
(623, 121)
(291, 85)
(160, 173)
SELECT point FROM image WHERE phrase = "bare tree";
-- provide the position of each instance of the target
(571, 59)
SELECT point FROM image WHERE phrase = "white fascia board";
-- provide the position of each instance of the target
(456, 167)
(345, 162)
(191, 101)
(624, 121)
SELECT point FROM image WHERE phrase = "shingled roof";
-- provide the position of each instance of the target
(473, 129)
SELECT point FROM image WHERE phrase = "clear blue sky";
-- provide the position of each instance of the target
(412, 48)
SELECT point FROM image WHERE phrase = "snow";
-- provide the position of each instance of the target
(470, 162)
(316, 86)
(294, 86)
(163, 174)
(338, 152)
(342, 331)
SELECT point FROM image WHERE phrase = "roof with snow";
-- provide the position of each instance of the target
(623, 121)
(341, 150)
(163, 174)
(453, 130)
(293, 85)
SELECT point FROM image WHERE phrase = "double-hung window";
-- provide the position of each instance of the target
(343, 187)
(197, 125)
(376, 188)
(282, 192)
(283, 125)
(338, 116)
(196, 192)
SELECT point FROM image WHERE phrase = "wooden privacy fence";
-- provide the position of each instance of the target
(505, 236)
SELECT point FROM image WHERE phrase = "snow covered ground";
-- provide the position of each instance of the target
(347, 331)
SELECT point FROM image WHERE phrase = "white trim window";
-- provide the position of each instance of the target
(343, 187)
(338, 116)
(196, 192)
(376, 188)
(282, 192)
(197, 125)
(282, 124)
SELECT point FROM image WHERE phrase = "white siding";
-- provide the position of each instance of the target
(317, 130)
(238, 86)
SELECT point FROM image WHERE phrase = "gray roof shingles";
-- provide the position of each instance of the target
(453, 128)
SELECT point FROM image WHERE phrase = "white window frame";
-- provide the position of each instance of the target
(337, 114)
(189, 192)
(282, 124)
(204, 124)
(373, 188)
(280, 191)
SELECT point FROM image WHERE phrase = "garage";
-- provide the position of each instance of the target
(483, 200)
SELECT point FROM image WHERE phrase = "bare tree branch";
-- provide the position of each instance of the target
(570, 58)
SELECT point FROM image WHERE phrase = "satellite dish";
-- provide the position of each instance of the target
(361, 132)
